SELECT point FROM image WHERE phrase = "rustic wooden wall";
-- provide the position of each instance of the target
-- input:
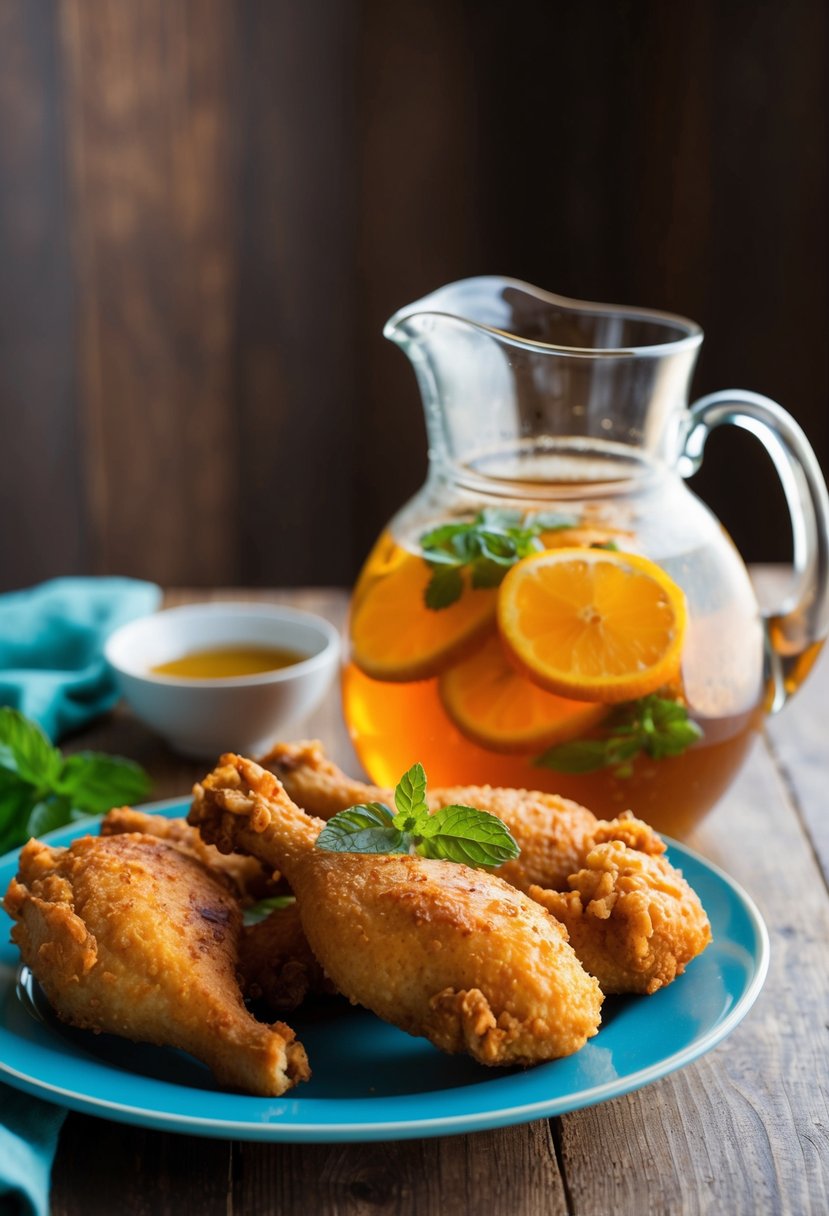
(208, 209)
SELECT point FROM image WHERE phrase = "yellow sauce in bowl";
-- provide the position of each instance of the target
(226, 662)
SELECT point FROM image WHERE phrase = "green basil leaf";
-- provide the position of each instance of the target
(53, 812)
(96, 782)
(25, 749)
(445, 587)
(464, 834)
(580, 756)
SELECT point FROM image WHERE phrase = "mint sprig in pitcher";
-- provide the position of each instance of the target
(555, 538)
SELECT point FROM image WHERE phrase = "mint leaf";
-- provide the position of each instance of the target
(467, 835)
(410, 799)
(25, 749)
(499, 517)
(500, 547)
(486, 573)
(553, 521)
(366, 828)
(96, 782)
(365, 815)
(487, 546)
(17, 798)
(455, 833)
(39, 790)
(262, 909)
(673, 739)
(443, 535)
(53, 812)
(444, 588)
(337, 838)
(580, 756)
(653, 726)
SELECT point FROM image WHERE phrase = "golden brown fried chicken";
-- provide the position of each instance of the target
(277, 965)
(626, 950)
(632, 918)
(247, 876)
(129, 935)
(454, 954)
(551, 832)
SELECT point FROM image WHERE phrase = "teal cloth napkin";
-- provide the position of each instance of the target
(52, 669)
(29, 1130)
(52, 665)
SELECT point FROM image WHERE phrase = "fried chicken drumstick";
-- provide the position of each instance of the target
(130, 935)
(277, 965)
(245, 874)
(275, 961)
(551, 832)
(440, 950)
(633, 920)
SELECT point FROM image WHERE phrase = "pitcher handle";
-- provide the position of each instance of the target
(796, 630)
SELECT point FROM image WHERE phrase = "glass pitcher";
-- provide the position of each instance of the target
(562, 428)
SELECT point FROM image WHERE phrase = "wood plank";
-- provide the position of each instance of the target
(149, 89)
(744, 1130)
(511, 1171)
(42, 533)
(633, 174)
(104, 1167)
(296, 421)
(420, 206)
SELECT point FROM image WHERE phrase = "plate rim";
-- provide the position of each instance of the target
(446, 1124)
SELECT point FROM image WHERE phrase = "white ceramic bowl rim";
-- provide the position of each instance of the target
(117, 650)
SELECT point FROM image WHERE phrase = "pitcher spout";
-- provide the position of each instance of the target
(505, 367)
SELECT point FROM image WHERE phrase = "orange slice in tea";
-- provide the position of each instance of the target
(394, 636)
(494, 706)
(593, 624)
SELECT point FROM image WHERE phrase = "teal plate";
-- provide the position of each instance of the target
(371, 1081)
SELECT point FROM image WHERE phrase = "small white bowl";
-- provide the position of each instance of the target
(203, 718)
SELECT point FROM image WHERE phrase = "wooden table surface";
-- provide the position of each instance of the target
(745, 1129)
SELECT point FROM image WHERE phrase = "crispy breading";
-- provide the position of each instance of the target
(551, 832)
(130, 935)
(248, 878)
(633, 920)
(563, 848)
(454, 954)
(277, 965)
